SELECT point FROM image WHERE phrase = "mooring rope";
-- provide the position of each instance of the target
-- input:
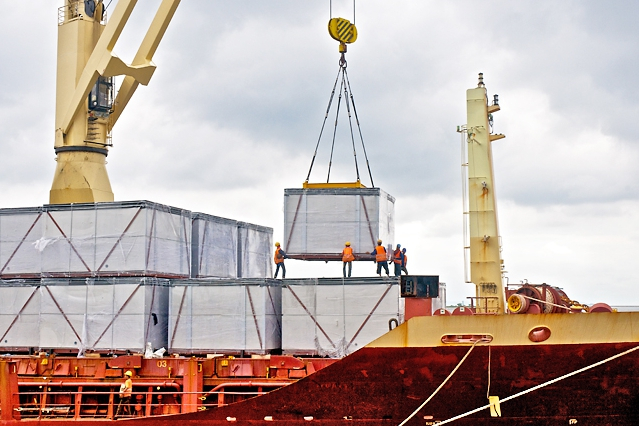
(550, 382)
(441, 385)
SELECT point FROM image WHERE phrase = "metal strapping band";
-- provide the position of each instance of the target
(311, 315)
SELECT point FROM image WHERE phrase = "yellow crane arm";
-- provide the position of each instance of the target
(144, 54)
(101, 58)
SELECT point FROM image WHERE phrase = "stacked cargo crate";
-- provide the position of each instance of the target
(97, 277)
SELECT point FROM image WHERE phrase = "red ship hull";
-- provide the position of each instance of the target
(383, 386)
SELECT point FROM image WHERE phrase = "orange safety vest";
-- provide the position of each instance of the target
(278, 257)
(347, 254)
(380, 255)
(405, 260)
(397, 256)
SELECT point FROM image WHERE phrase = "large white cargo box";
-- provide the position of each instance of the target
(317, 222)
(226, 248)
(136, 238)
(106, 314)
(225, 316)
(215, 248)
(255, 251)
(335, 317)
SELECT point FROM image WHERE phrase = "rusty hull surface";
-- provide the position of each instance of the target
(383, 386)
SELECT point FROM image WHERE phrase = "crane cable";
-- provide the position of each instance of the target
(345, 87)
(339, 102)
(330, 10)
(534, 388)
(361, 138)
(328, 109)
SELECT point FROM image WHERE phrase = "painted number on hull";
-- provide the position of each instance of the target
(161, 363)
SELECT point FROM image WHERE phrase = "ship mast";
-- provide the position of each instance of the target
(485, 250)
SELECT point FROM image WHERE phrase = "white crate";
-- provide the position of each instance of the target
(137, 238)
(335, 317)
(317, 222)
(115, 314)
(225, 248)
(225, 316)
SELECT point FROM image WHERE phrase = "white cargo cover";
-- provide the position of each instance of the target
(317, 222)
(255, 251)
(106, 314)
(334, 316)
(136, 238)
(225, 248)
(225, 316)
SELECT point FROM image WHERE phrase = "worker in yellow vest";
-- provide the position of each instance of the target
(404, 261)
(126, 389)
(279, 257)
(397, 260)
(380, 257)
(347, 258)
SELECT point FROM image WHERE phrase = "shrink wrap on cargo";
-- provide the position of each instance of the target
(225, 316)
(136, 238)
(335, 317)
(255, 251)
(215, 247)
(317, 222)
(105, 314)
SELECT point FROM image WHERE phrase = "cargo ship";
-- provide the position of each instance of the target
(518, 355)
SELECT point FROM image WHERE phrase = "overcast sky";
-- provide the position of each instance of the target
(233, 112)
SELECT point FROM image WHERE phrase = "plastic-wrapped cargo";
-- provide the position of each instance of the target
(318, 221)
(225, 316)
(101, 314)
(215, 248)
(136, 238)
(334, 316)
(20, 231)
(225, 248)
(255, 251)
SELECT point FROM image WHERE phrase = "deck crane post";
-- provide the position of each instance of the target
(85, 107)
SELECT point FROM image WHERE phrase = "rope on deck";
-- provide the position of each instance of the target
(441, 385)
(550, 382)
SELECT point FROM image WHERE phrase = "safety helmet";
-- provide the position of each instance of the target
(379, 241)
(399, 246)
(128, 373)
(403, 250)
(348, 243)
(277, 244)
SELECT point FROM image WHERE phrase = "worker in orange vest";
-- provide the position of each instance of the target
(397, 260)
(279, 257)
(404, 261)
(380, 257)
(347, 258)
